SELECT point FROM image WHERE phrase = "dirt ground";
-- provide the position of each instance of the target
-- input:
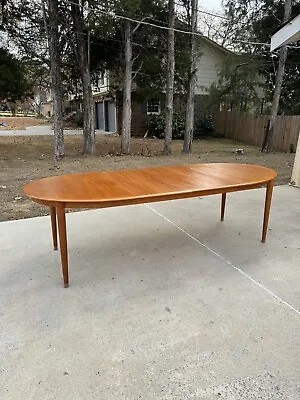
(21, 122)
(26, 158)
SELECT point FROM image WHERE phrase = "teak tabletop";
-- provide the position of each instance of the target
(124, 187)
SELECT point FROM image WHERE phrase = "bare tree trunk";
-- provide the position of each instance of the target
(279, 79)
(126, 115)
(56, 86)
(189, 122)
(170, 79)
(89, 145)
(89, 123)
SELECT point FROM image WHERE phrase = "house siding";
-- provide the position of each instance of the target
(139, 118)
(208, 63)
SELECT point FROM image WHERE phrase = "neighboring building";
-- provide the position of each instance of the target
(39, 104)
(42, 102)
(109, 110)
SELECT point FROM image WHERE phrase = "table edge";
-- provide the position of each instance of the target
(151, 198)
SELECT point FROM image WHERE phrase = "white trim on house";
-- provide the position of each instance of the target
(289, 33)
(101, 86)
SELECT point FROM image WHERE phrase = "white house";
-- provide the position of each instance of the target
(211, 57)
(290, 33)
(108, 110)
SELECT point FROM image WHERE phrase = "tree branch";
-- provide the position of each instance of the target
(138, 25)
(138, 70)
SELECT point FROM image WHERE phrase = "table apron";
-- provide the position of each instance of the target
(150, 199)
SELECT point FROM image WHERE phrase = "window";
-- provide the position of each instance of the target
(101, 78)
(153, 107)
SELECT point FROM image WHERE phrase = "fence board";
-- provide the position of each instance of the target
(250, 128)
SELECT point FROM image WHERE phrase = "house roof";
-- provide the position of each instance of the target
(210, 42)
(215, 44)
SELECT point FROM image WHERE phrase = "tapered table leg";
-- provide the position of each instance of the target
(53, 226)
(267, 210)
(223, 206)
(61, 219)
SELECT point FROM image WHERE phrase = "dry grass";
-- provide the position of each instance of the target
(21, 122)
(26, 158)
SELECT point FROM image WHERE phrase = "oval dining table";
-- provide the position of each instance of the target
(125, 187)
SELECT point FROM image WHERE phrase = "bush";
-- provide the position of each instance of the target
(157, 124)
(204, 127)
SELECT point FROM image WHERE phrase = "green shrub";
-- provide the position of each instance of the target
(204, 127)
(157, 124)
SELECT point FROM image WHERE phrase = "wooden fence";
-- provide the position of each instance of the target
(250, 128)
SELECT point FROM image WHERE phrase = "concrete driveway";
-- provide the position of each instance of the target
(44, 130)
(165, 302)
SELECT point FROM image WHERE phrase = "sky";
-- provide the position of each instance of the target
(210, 5)
(213, 6)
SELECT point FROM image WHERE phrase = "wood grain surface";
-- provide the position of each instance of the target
(149, 184)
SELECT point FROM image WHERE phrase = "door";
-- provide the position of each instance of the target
(106, 117)
(112, 123)
(100, 115)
